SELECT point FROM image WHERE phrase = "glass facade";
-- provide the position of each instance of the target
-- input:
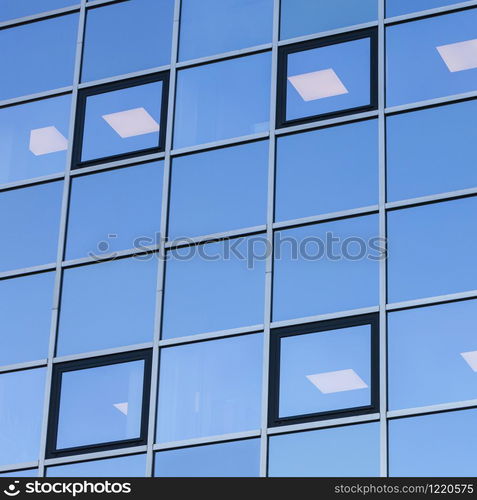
(244, 248)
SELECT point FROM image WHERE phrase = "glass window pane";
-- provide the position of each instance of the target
(234, 459)
(219, 190)
(213, 103)
(432, 355)
(439, 445)
(34, 138)
(21, 412)
(12, 9)
(148, 24)
(351, 451)
(33, 60)
(107, 305)
(327, 170)
(441, 256)
(210, 388)
(327, 267)
(128, 217)
(431, 151)
(220, 285)
(122, 121)
(213, 26)
(101, 404)
(305, 17)
(399, 7)
(437, 52)
(129, 466)
(21, 473)
(25, 337)
(29, 222)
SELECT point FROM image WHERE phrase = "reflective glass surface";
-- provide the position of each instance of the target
(350, 451)
(21, 411)
(220, 285)
(222, 100)
(440, 445)
(431, 58)
(138, 39)
(122, 121)
(432, 355)
(34, 138)
(129, 466)
(432, 250)
(210, 388)
(327, 170)
(431, 151)
(233, 459)
(25, 337)
(29, 220)
(107, 305)
(399, 7)
(114, 210)
(101, 404)
(305, 17)
(33, 60)
(21, 473)
(219, 190)
(213, 26)
(325, 268)
(12, 9)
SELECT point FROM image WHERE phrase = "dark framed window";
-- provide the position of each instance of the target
(121, 120)
(328, 77)
(324, 370)
(99, 404)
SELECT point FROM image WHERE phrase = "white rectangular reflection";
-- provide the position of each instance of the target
(318, 84)
(47, 140)
(459, 56)
(132, 122)
(471, 359)
(338, 381)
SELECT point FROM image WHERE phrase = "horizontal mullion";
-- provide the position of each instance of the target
(206, 440)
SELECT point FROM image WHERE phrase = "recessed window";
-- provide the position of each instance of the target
(99, 403)
(324, 370)
(327, 77)
(121, 120)
(128, 466)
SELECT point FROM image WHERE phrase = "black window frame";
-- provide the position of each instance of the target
(83, 95)
(322, 326)
(283, 53)
(54, 410)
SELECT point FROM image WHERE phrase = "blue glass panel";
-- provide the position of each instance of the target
(305, 17)
(440, 445)
(29, 222)
(213, 26)
(100, 404)
(222, 100)
(351, 451)
(34, 138)
(431, 151)
(399, 7)
(139, 30)
(107, 305)
(210, 388)
(325, 268)
(220, 286)
(21, 473)
(432, 355)
(219, 190)
(12, 9)
(432, 250)
(127, 217)
(129, 466)
(21, 411)
(25, 337)
(33, 60)
(234, 459)
(327, 170)
(428, 58)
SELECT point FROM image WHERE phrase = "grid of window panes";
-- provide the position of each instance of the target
(149, 165)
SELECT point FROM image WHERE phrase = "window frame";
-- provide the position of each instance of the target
(55, 399)
(322, 326)
(83, 95)
(286, 50)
